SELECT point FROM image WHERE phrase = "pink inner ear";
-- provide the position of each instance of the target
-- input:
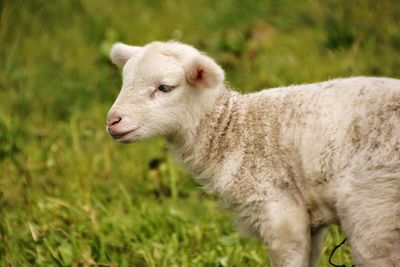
(199, 75)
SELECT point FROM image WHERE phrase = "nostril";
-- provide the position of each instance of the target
(113, 120)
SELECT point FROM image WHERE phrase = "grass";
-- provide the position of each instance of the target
(69, 196)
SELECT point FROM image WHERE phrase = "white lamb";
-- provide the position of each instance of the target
(288, 161)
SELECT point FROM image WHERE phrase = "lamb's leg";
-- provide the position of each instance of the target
(374, 239)
(285, 230)
(317, 239)
(370, 217)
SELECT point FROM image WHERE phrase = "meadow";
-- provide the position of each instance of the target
(70, 196)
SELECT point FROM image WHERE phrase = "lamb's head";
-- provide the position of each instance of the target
(166, 89)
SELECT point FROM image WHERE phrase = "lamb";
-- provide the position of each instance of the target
(288, 161)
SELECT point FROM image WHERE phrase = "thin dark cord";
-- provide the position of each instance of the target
(333, 252)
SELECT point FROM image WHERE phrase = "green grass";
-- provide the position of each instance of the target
(70, 196)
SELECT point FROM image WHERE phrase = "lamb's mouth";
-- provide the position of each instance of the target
(123, 136)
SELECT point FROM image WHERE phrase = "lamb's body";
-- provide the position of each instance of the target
(289, 161)
(324, 152)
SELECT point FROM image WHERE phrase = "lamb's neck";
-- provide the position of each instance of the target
(206, 144)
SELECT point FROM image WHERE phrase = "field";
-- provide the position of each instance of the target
(70, 196)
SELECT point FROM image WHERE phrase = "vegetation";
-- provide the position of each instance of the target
(70, 196)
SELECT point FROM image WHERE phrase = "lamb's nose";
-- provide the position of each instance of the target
(113, 120)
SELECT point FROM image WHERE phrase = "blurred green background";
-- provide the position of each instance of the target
(70, 196)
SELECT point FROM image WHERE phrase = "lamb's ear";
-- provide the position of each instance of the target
(203, 72)
(120, 53)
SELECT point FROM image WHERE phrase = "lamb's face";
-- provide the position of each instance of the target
(166, 86)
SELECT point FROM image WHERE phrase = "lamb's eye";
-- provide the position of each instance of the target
(165, 88)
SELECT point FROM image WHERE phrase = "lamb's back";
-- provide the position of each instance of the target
(308, 134)
(318, 128)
